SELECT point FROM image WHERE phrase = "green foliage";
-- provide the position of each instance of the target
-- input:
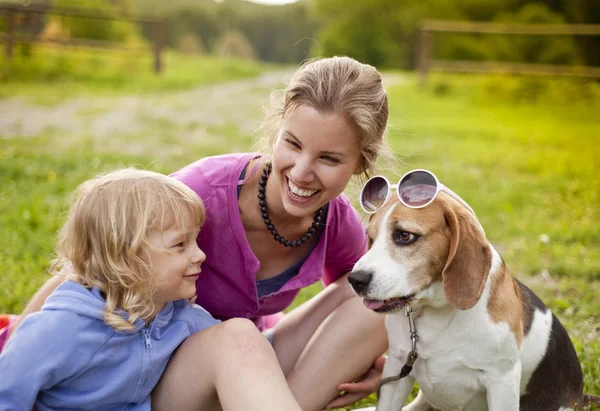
(383, 32)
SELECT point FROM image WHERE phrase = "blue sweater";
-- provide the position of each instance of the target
(66, 358)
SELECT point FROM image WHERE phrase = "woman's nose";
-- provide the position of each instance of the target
(302, 171)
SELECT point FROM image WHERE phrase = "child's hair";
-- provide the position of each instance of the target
(103, 242)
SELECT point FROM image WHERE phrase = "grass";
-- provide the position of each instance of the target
(91, 72)
(523, 153)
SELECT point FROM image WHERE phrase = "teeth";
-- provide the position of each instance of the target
(298, 191)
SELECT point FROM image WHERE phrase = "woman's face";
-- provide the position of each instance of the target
(314, 157)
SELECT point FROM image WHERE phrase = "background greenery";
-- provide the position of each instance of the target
(379, 32)
(523, 151)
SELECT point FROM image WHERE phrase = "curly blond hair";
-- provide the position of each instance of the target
(338, 85)
(103, 241)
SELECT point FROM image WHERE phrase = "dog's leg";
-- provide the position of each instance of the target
(393, 395)
(503, 390)
(419, 404)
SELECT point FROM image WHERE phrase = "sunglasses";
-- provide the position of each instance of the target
(416, 189)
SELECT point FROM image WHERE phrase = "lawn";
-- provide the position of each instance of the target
(523, 152)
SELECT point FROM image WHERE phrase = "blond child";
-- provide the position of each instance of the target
(129, 258)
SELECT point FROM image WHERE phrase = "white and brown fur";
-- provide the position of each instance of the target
(486, 342)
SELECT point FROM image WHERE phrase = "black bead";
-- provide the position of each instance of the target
(282, 240)
(277, 237)
(262, 182)
(261, 196)
(270, 227)
(267, 220)
(262, 203)
(265, 215)
(304, 239)
(264, 209)
(274, 232)
(308, 235)
(311, 230)
(286, 243)
(261, 189)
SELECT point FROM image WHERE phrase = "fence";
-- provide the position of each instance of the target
(425, 63)
(23, 24)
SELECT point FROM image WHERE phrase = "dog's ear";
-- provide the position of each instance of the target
(469, 259)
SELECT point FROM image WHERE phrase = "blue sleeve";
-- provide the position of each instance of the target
(198, 318)
(36, 358)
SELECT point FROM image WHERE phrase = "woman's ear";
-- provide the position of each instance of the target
(362, 166)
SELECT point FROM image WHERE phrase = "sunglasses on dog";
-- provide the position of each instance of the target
(416, 189)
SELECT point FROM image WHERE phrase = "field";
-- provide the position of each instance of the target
(523, 152)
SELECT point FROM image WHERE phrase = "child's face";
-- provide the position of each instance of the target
(175, 259)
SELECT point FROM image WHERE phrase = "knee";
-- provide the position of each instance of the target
(243, 342)
(240, 333)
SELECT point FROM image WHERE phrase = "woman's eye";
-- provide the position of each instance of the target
(180, 244)
(331, 159)
(404, 237)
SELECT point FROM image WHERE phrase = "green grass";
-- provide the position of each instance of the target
(51, 75)
(522, 152)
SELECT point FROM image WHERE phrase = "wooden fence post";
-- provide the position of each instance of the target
(424, 59)
(9, 34)
(159, 37)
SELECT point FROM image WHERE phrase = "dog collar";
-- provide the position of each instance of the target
(412, 355)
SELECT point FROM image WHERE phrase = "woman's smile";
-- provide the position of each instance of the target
(314, 157)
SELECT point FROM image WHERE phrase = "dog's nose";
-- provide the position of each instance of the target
(360, 280)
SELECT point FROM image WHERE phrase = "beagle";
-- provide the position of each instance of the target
(485, 340)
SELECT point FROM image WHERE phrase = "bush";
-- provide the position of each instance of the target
(190, 44)
(235, 44)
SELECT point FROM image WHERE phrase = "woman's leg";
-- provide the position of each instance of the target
(230, 366)
(331, 339)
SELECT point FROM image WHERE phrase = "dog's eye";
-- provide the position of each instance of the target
(404, 237)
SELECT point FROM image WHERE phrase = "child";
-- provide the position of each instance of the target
(130, 260)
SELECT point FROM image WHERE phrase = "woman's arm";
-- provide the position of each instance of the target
(39, 298)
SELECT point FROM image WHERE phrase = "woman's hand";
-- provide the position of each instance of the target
(355, 391)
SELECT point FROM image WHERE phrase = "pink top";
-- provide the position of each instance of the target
(227, 285)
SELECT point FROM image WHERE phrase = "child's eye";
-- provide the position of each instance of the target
(293, 143)
(180, 244)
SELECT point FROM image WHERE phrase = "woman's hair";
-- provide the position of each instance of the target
(338, 85)
(103, 242)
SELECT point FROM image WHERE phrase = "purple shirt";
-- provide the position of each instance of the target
(227, 285)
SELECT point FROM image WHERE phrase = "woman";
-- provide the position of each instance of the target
(277, 222)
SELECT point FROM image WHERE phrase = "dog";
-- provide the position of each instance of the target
(484, 340)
